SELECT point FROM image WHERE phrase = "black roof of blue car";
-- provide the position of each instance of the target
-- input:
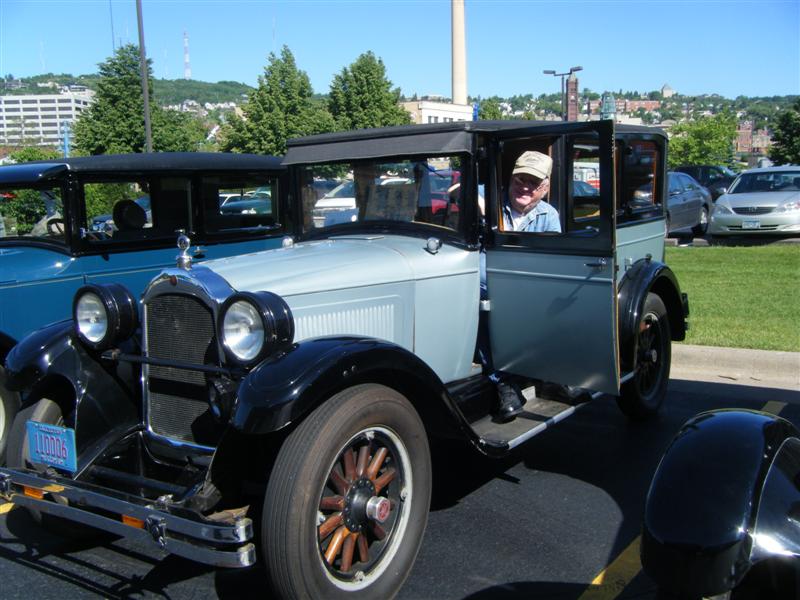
(186, 162)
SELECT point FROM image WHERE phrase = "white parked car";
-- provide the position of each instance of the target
(760, 201)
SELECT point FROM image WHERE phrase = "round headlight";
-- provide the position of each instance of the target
(243, 330)
(104, 315)
(91, 317)
(254, 324)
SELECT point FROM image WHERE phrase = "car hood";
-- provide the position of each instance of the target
(318, 266)
(758, 198)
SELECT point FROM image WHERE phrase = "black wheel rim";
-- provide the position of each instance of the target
(650, 356)
(354, 544)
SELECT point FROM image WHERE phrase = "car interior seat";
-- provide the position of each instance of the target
(130, 219)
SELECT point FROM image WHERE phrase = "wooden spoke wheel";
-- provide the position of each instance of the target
(347, 500)
(643, 394)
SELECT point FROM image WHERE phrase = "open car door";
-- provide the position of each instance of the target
(553, 296)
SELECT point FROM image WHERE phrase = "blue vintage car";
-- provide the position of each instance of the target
(66, 223)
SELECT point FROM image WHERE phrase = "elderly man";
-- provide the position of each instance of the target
(523, 209)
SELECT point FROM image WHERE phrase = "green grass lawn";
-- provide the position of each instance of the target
(743, 297)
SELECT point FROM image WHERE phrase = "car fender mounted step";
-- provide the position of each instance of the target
(221, 543)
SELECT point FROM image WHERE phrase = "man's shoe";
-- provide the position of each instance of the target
(509, 402)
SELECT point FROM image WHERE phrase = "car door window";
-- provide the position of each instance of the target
(132, 210)
(32, 213)
(675, 185)
(638, 189)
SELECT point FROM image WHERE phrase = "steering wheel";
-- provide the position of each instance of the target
(55, 226)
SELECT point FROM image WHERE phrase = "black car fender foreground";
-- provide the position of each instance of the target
(722, 500)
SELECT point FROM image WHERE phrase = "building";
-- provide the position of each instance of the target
(762, 140)
(666, 91)
(744, 137)
(425, 111)
(40, 118)
(572, 97)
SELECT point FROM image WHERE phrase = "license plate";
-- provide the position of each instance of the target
(756, 224)
(52, 445)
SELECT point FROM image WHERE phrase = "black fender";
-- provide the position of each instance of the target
(727, 480)
(647, 275)
(289, 385)
(52, 362)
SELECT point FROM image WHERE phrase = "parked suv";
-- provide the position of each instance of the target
(301, 385)
(97, 219)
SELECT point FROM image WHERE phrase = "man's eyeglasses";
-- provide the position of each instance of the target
(527, 183)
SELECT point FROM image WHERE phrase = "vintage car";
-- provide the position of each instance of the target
(300, 387)
(721, 514)
(68, 222)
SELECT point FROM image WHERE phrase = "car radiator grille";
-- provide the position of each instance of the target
(753, 210)
(179, 328)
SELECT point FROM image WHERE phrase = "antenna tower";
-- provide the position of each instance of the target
(187, 69)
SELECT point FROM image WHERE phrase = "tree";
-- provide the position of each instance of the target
(785, 148)
(281, 107)
(489, 109)
(361, 96)
(115, 121)
(707, 141)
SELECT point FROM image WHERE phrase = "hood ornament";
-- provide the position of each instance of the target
(183, 259)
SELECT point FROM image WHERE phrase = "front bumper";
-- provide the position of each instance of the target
(171, 529)
(769, 223)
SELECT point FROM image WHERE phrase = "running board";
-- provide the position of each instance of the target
(538, 414)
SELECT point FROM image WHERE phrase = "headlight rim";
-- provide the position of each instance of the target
(276, 320)
(121, 312)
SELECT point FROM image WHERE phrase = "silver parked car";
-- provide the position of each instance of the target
(688, 203)
(760, 201)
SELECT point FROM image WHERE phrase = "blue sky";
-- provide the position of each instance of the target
(728, 47)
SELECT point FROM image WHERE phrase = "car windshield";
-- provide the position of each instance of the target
(31, 213)
(769, 181)
(425, 191)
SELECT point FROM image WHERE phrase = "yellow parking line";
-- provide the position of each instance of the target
(4, 508)
(610, 582)
(774, 407)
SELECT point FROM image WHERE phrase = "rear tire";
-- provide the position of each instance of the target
(365, 445)
(9, 405)
(702, 227)
(642, 395)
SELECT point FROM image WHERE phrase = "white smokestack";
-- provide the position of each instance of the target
(459, 53)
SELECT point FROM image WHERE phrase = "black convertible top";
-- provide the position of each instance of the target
(186, 162)
(445, 138)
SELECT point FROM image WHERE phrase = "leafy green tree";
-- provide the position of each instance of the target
(489, 109)
(115, 121)
(361, 96)
(707, 141)
(785, 148)
(280, 108)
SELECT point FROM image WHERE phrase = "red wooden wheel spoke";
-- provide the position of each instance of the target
(384, 480)
(347, 552)
(335, 545)
(379, 531)
(332, 503)
(349, 463)
(363, 548)
(329, 525)
(363, 457)
(375, 465)
(339, 482)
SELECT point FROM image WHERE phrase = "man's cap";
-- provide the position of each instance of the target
(534, 163)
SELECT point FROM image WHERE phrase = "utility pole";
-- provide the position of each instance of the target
(148, 136)
(563, 94)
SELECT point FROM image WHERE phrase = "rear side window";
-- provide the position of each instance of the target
(32, 213)
(239, 202)
(639, 187)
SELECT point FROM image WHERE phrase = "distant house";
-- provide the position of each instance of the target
(666, 91)
(425, 111)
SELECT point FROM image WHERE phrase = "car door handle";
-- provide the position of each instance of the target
(597, 265)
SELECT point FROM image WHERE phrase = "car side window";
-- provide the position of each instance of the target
(238, 202)
(675, 184)
(638, 187)
(689, 183)
(32, 213)
(121, 211)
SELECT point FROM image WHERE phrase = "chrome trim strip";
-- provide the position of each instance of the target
(589, 278)
(542, 426)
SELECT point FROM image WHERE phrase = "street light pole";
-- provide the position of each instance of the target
(563, 91)
(148, 137)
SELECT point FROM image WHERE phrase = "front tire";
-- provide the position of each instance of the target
(9, 405)
(642, 395)
(348, 498)
(702, 226)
